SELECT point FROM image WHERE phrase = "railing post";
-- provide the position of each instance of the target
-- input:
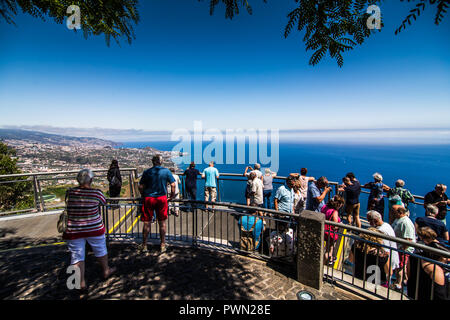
(310, 239)
(35, 191)
(41, 198)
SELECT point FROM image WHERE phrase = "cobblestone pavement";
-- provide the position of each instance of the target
(180, 273)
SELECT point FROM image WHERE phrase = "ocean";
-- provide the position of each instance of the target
(420, 166)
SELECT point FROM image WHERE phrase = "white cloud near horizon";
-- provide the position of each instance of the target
(341, 136)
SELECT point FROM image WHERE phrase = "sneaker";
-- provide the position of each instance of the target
(142, 248)
(163, 248)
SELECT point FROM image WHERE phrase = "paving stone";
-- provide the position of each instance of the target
(182, 273)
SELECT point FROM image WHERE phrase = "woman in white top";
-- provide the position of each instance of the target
(304, 180)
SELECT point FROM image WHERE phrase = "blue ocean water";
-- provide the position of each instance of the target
(420, 166)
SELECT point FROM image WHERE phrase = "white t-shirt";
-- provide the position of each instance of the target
(387, 230)
(257, 189)
(257, 172)
(177, 182)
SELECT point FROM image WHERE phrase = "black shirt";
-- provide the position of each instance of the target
(191, 178)
(433, 197)
(371, 260)
(352, 192)
(425, 283)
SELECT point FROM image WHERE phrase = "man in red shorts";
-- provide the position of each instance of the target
(153, 188)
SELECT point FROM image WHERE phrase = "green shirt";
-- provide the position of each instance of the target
(403, 193)
(404, 228)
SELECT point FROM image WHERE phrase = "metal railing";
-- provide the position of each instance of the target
(41, 180)
(199, 225)
(376, 278)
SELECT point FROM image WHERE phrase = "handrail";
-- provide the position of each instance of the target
(333, 183)
(386, 237)
(284, 214)
(31, 174)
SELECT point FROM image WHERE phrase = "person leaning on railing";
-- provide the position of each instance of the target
(404, 194)
(85, 224)
(315, 199)
(438, 198)
(376, 197)
(430, 221)
(376, 220)
(404, 229)
(352, 189)
(368, 252)
(433, 282)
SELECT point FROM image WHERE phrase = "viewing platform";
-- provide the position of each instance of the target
(203, 261)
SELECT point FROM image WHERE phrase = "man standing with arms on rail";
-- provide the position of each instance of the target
(316, 198)
(211, 174)
(438, 198)
(153, 188)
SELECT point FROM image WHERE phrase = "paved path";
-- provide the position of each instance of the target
(181, 273)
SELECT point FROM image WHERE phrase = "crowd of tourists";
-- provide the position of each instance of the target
(159, 185)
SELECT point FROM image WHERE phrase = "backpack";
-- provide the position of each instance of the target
(247, 242)
(115, 181)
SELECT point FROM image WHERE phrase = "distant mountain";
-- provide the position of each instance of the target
(60, 140)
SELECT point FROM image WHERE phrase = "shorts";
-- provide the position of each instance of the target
(352, 209)
(77, 248)
(403, 257)
(158, 204)
(210, 191)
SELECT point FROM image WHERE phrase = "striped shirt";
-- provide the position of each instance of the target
(83, 210)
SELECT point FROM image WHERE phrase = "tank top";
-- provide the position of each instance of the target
(267, 181)
(303, 186)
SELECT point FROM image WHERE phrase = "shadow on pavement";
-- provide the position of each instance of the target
(180, 273)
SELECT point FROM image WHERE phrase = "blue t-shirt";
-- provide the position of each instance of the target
(311, 202)
(285, 199)
(211, 174)
(247, 222)
(155, 181)
(437, 225)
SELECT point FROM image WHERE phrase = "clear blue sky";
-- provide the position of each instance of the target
(186, 65)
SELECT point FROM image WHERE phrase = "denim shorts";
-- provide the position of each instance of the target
(77, 247)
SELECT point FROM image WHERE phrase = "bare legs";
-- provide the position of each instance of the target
(162, 232)
(106, 270)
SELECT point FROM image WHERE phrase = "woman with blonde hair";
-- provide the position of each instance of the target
(368, 252)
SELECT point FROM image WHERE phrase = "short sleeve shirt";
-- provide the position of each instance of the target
(404, 228)
(403, 193)
(191, 177)
(155, 181)
(211, 174)
(437, 225)
(311, 201)
(285, 199)
(257, 191)
(352, 193)
(433, 197)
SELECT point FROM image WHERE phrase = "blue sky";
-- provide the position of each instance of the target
(186, 65)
